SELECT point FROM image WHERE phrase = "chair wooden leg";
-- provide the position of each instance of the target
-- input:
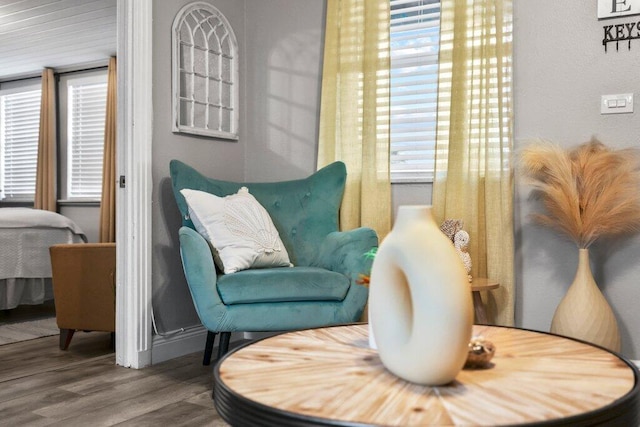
(208, 348)
(65, 338)
(223, 344)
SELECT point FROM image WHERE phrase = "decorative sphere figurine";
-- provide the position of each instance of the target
(480, 354)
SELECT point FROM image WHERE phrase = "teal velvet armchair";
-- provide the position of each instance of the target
(320, 289)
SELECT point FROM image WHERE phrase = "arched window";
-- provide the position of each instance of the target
(205, 73)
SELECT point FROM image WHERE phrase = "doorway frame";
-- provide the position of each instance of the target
(134, 170)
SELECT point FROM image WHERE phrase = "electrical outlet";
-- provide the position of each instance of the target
(616, 104)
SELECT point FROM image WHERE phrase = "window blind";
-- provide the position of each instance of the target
(85, 141)
(414, 41)
(19, 129)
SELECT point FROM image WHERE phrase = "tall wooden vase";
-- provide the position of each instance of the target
(420, 307)
(584, 313)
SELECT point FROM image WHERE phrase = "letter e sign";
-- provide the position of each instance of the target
(615, 8)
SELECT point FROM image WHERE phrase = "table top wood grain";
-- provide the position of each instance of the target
(330, 376)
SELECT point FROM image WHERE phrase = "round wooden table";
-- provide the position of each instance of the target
(330, 376)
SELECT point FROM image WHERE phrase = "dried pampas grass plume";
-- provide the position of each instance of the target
(588, 192)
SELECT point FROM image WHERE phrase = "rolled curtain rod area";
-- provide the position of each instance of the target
(59, 71)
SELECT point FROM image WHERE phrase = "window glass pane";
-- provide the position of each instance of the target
(414, 41)
(87, 100)
(19, 128)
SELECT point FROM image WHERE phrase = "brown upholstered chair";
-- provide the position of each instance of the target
(83, 276)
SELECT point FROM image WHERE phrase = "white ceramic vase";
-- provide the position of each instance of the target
(420, 306)
(584, 313)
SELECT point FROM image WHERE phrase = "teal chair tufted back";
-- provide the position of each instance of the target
(304, 211)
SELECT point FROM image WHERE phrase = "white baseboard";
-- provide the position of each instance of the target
(636, 362)
(178, 344)
(185, 342)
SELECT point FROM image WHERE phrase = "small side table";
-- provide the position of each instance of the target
(478, 285)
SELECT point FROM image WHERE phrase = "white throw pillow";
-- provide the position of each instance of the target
(239, 229)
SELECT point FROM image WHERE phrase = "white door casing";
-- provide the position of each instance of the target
(133, 202)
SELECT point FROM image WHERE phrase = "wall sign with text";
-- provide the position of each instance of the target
(623, 32)
(617, 8)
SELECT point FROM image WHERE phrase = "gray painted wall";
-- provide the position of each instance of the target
(220, 158)
(280, 66)
(560, 72)
(284, 41)
(87, 218)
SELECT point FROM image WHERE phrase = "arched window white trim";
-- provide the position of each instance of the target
(205, 73)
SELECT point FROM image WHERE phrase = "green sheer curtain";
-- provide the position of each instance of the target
(354, 112)
(473, 177)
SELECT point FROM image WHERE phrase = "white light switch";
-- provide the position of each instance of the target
(616, 104)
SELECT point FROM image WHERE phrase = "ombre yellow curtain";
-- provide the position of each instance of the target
(354, 111)
(473, 179)
(45, 192)
(108, 199)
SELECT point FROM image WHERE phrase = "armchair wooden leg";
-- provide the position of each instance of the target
(208, 348)
(65, 338)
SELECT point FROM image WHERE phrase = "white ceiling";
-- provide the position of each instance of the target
(60, 34)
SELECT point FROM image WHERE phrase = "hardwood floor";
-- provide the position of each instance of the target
(41, 385)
